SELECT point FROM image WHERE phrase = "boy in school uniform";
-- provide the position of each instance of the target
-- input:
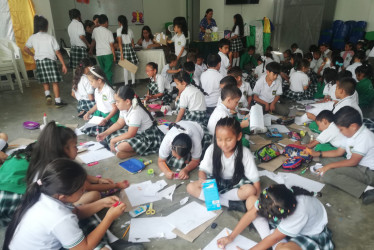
(295, 49)
(189, 67)
(210, 82)
(245, 88)
(200, 66)
(223, 47)
(316, 62)
(325, 51)
(78, 40)
(168, 70)
(102, 37)
(230, 96)
(268, 90)
(248, 60)
(355, 173)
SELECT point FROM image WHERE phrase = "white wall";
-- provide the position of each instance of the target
(43, 8)
(356, 10)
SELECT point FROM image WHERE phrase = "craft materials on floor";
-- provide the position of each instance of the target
(240, 242)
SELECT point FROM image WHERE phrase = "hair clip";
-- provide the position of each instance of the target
(275, 218)
(281, 210)
(134, 102)
(39, 182)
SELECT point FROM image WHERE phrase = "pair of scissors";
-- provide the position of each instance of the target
(150, 210)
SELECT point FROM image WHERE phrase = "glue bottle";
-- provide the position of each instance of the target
(45, 120)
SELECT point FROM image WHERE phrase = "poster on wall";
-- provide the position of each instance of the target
(132, 9)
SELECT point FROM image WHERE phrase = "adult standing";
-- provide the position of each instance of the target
(206, 23)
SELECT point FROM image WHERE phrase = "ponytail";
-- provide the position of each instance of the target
(183, 76)
(40, 24)
(125, 27)
(182, 143)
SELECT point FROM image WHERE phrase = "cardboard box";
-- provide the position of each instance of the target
(128, 65)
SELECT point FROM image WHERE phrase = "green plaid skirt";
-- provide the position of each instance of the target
(128, 54)
(47, 71)
(8, 204)
(95, 130)
(196, 116)
(236, 45)
(144, 143)
(226, 185)
(77, 53)
(85, 105)
(88, 225)
(295, 96)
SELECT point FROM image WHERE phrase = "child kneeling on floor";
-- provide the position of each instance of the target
(299, 219)
(355, 174)
(231, 165)
(141, 134)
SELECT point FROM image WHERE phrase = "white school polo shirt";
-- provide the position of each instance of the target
(309, 218)
(194, 131)
(352, 69)
(192, 98)
(265, 92)
(179, 43)
(162, 84)
(136, 117)
(329, 90)
(362, 143)
(332, 135)
(298, 51)
(236, 31)
(104, 99)
(246, 90)
(315, 64)
(298, 81)
(49, 224)
(44, 44)
(225, 64)
(126, 38)
(348, 101)
(219, 112)
(347, 59)
(199, 69)
(259, 69)
(228, 165)
(167, 76)
(145, 43)
(84, 89)
(210, 83)
(75, 30)
(103, 38)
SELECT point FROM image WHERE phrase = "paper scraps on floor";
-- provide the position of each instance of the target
(290, 179)
(92, 156)
(94, 121)
(281, 128)
(240, 241)
(143, 229)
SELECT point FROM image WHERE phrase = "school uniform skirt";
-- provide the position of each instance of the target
(128, 54)
(95, 130)
(295, 96)
(196, 116)
(88, 225)
(8, 204)
(85, 105)
(313, 86)
(144, 143)
(47, 71)
(77, 53)
(236, 45)
(153, 90)
(226, 185)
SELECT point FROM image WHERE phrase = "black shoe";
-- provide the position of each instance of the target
(237, 206)
(121, 244)
(368, 197)
(60, 104)
(48, 99)
(105, 144)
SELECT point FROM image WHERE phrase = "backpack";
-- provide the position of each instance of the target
(267, 152)
(293, 150)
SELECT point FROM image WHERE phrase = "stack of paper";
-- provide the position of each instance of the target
(240, 242)
(94, 121)
(257, 118)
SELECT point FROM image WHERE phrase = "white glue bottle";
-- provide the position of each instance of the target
(45, 120)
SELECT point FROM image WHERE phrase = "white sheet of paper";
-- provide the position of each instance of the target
(142, 229)
(164, 129)
(94, 146)
(318, 107)
(152, 190)
(97, 155)
(136, 193)
(167, 193)
(11, 151)
(272, 117)
(240, 241)
(94, 121)
(306, 102)
(256, 118)
(281, 128)
(189, 217)
(300, 120)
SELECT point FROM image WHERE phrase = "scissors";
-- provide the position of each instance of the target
(150, 210)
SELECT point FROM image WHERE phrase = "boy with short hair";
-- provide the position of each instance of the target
(210, 80)
(189, 67)
(316, 62)
(102, 37)
(223, 47)
(230, 96)
(295, 49)
(200, 66)
(268, 90)
(245, 88)
(355, 174)
(168, 71)
(248, 60)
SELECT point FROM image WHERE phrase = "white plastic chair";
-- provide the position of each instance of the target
(8, 66)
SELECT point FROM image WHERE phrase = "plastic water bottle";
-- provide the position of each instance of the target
(45, 120)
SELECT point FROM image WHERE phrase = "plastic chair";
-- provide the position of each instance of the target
(8, 65)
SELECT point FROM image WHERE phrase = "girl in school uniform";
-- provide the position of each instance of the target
(231, 165)
(236, 44)
(192, 105)
(141, 134)
(82, 89)
(78, 41)
(146, 39)
(60, 184)
(299, 220)
(357, 60)
(347, 54)
(46, 49)
(299, 82)
(260, 68)
(182, 148)
(125, 38)
(157, 87)
(105, 104)
(179, 39)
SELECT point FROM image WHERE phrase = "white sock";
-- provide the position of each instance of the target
(47, 92)
(58, 99)
(224, 202)
(369, 188)
(2, 144)
(231, 195)
(126, 76)
(262, 226)
(237, 61)
(111, 237)
(132, 78)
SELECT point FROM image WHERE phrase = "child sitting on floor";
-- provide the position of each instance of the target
(248, 60)
(157, 87)
(299, 82)
(168, 70)
(364, 86)
(246, 99)
(225, 54)
(200, 66)
(189, 67)
(3, 146)
(260, 68)
(231, 165)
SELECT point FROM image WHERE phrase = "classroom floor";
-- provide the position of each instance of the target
(350, 221)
